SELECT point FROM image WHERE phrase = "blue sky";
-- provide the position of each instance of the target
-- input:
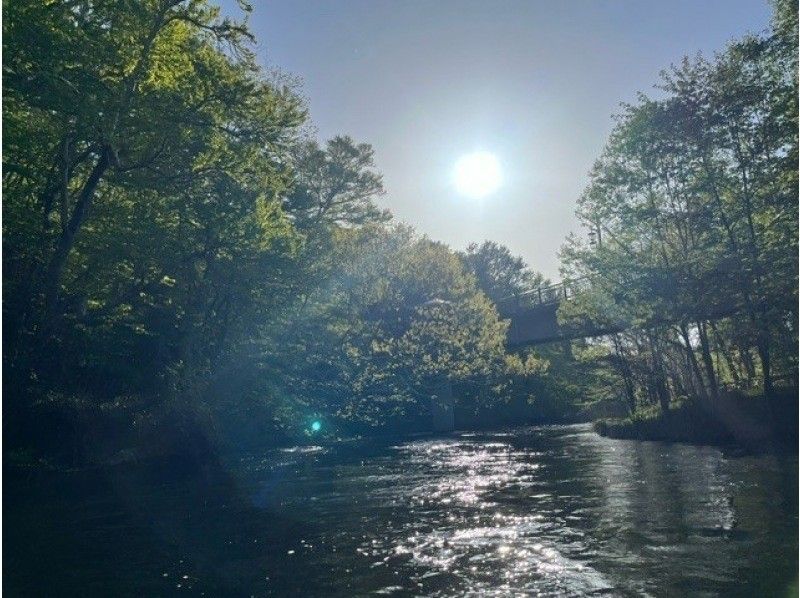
(535, 82)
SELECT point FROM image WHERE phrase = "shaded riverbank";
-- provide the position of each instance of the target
(754, 423)
(72, 432)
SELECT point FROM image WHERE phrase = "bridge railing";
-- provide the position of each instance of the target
(546, 295)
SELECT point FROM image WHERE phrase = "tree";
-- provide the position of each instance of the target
(112, 105)
(398, 317)
(154, 120)
(500, 275)
(336, 185)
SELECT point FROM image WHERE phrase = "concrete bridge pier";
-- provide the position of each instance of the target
(443, 408)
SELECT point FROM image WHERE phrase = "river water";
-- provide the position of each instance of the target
(543, 511)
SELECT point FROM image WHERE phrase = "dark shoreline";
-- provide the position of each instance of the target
(749, 424)
(757, 424)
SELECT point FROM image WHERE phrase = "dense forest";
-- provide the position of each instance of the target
(180, 254)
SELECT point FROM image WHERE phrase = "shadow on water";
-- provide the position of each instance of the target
(148, 530)
(553, 510)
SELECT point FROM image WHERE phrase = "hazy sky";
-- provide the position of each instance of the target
(535, 82)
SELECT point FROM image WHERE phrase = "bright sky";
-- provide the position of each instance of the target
(534, 82)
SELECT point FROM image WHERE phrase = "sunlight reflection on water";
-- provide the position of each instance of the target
(508, 550)
(551, 511)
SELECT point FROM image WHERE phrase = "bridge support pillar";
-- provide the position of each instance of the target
(443, 408)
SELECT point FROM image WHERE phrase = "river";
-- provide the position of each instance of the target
(542, 511)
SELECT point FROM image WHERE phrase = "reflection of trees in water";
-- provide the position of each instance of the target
(691, 519)
(765, 501)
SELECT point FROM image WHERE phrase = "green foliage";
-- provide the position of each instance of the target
(397, 317)
(145, 155)
(336, 185)
(693, 206)
(170, 235)
(175, 250)
(501, 275)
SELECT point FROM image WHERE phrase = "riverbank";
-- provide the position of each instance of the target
(756, 423)
(70, 432)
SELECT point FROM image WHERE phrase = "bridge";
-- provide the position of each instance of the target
(534, 321)
(533, 315)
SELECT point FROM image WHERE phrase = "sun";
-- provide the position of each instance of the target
(477, 175)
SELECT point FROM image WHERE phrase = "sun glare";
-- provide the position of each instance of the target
(477, 175)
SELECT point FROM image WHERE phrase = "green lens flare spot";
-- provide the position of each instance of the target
(316, 426)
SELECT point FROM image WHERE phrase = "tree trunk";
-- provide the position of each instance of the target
(693, 361)
(766, 366)
(708, 362)
(66, 240)
(659, 377)
(749, 366)
(726, 355)
(626, 375)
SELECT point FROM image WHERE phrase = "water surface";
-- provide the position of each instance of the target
(550, 511)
